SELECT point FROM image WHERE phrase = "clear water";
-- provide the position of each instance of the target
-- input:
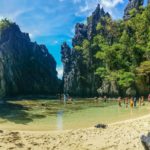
(53, 115)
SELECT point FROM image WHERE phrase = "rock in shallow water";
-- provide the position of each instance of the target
(103, 126)
(146, 141)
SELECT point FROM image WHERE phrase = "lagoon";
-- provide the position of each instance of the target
(50, 115)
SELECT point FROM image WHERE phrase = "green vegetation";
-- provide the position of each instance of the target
(120, 52)
(4, 23)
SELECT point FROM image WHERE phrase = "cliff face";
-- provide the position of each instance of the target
(25, 67)
(83, 31)
(79, 79)
(132, 4)
(102, 50)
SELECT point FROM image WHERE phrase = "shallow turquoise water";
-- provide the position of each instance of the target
(53, 115)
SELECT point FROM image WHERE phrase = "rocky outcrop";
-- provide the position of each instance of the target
(109, 87)
(83, 31)
(72, 71)
(146, 141)
(93, 20)
(25, 67)
(67, 66)
(133, 4)
(79, 62)
(80, 34)
(148, 1)
(78, 78)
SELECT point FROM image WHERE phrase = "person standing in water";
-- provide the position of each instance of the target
(134, 101)
(142, 101)
(126, 102)
(139, 101)
(131, 102)
(119, 101)
(149, 97)
(65, 98)
(105, 99)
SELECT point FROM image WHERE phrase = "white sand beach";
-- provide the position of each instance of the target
(123, 135)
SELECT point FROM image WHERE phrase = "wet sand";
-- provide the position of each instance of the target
(124, 135)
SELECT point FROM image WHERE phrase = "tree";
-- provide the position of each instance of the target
(144, 70)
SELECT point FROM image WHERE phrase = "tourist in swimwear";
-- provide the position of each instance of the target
(149, 97)
(126, 102)
(119, 101)
(131, 102)
(135, 101)
(142, 101)
(139, 101)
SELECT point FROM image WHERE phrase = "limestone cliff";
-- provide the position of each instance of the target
(132, 4)
(25, 67)
(79, 79)
(100, 34)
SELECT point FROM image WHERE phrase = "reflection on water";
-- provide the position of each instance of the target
(60, 120)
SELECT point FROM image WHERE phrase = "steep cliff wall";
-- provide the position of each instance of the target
(132, 4)
(106, 53)
(79, 79)
(25, 67)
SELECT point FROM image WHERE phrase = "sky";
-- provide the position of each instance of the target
(52, 22)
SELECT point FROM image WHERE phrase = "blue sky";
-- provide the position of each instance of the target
(51, 22)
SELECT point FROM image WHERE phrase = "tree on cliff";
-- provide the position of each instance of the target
(107, 52)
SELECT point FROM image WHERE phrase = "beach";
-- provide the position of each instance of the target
(124, 135)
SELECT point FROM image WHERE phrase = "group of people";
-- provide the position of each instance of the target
(132, 101)
(65, 98)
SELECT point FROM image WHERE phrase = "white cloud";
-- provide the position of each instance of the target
(86, 8)
(110, 3)
(60, 72)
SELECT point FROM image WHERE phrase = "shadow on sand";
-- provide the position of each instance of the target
(17, 113)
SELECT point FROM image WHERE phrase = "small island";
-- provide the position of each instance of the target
(102, 101)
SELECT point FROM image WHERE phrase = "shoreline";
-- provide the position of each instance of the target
(120, 135)
(86, 128)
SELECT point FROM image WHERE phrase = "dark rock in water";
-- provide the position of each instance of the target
(103, 126)
(146, 141)
(25, 67)
(133, 4)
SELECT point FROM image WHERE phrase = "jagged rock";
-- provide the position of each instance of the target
(148, 1)
(146, 141)
(78, 78)
(133, 4)
(109, 88)
(131, 91)
(25, 67)
(93, 20)
(83, 31)
(80, 34)
(67, 65)
(103, 126)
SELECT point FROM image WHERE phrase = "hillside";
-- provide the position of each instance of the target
(109, 57)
